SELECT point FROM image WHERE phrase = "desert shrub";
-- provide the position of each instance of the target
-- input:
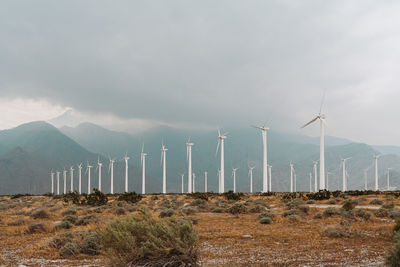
(70, 249)
(336, 231)
(199, 195)
(293, 218)
(17, 222)
(72, 197)
(40, 214)
(336, 193)
(69, 211)
(36, 227)
(331, 212)
(233, 196)
(318, 215)
(331, 202)
(144, 240)
(132, 197)
(376, 202)
(266, 214)
(260, 202)
(193, 219)
(61, 239)
(237, 208)
(256, 208)
(90, 244)
(295, 203)
(348, 205)
(393, 257)
(388, 206)
(119, 210)
(166, 213)
(218, 210)
(63, 225)
(84, 220)
(394, 214)
(380, 213)
(362, 214)
(303, 208)
(189, 210)
(97, 198)
(70, 218)
(201, 203)
(265, 220)
(292, 212)
(321, 195)
(165, 203)
(396, 227)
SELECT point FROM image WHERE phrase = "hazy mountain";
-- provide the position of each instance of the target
(388, 149)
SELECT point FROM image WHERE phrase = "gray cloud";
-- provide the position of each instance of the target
(211, 62)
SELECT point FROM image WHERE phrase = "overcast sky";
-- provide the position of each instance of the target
(208, 63)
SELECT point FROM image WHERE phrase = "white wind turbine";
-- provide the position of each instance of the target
(315, 176)
(183, 182)
(88, 172)
(310, 182)
(388, 178)
(219, 179)
(194, 182)
(251, 178)
(291, 178)
(71, 171)
(265, 159)
(205, 182)
(143, 162)
(126, 158)
(99, 166)
(321, 118)
(58, 182)
(376, 172)
(327, 180)
(189, 160)
(111, 171)
(221, 139)
(270, 178)
(344, 174)
(65, 180)
(234, 179)
(164, 167)
(80, 178)
(52, 181)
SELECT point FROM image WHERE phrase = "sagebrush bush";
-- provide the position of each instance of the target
(336, 231)
(145, 240)
(321, 195)
(331, 212)
(200, 195)
(396, 227)
(362, 214)
(348, 205)
(233, 196)
(237, 208)
(166, 213)
(97, 198)
(63, 225)
(119, 210)
(90, 244)
(131, 197)
(84, 220)
(36, 227)
(70, 249)
(393, 257)
(40, 214)
(394, 213)
(71, 218)
(380, 213)
(61, 239)
(331, 202)
(376, 202)
(265, 220)
(69, 211)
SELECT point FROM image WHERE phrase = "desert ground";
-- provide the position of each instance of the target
(346, 230)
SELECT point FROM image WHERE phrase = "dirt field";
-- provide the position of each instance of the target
(296, 237)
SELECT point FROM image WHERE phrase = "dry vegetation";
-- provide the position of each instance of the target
(232, 229)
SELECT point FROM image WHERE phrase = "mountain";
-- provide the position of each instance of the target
(388, 149)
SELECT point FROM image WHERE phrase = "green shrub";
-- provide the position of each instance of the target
(394, 214)
(69, 211)
(84, 220)
(294, 204)
(321, 195)
(144, 240)
(61, 239)
(193, 219)
(380, 213)
(256, 208)
(331, 212)
(119, 210)
(237, 208)
(376, 202)
(166, 213)
(36, 227)
(73, 197)
(331, 202)
(396, 227)
(336, 231)
(97, 198)
(393, 257)
(233, 196)
(362, 214)
(266, 214)
(292, 212)
(90, 245)
(70, 249)
(265, 220)
(218, 210)
(199, 195)
(348, 205)
(40, 214)
(189, 210)
(70, 218)
(198, 202)
(63, 225)
(131, 197)
(388, 206)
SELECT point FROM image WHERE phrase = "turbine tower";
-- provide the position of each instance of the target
(164, 167)
(143, 162)
(194, 182)
(270, 178)
(265, 160)
(205, 182)
(344, 174)
(52, 182)
(189, 160)
(234, 179)
(376, 172)
(88, 172)
(99, 166)
(388, 178)
(291, 177)
(251, 178)
(58, 183)
(321, 118)
(183, 182)
(315, 177)
(221, 139)
(80, 178)
(71, 171)
(65, 181)
(111, 171)
(126, 158)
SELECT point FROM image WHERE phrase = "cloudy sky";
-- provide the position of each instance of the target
(205, 63)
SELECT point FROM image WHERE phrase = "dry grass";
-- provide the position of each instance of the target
(225, 239)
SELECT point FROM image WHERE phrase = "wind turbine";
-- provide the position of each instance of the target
(194, 182)
(88, 172)
(71, 171)
(388, 178)
(65, 181)
(111, 171)
(344, 174)
(291, 177)
(270, 178)
(315, 176)
(58, 182)
(164, 167)
(52, 182)
(251, 178)
(321, 118)
(183, 182)
(189, 160)
(327, 180)
(219, 179)
(265, 160)
(143, 162)
(205, 182)
(234, 178)
(376, 172)
(310, 182)
(221, 139)
(99, 166)
(80, 177)
(126, 158)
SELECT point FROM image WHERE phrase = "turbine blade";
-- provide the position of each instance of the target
(308, 123)
(216, 152)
